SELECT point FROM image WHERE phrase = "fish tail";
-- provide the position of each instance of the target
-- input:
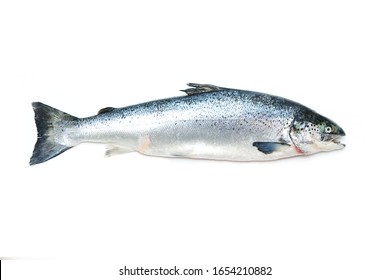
(47, 120)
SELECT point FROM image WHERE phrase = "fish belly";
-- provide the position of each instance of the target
(207, 140)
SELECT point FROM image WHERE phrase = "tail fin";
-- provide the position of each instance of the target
(47, 120)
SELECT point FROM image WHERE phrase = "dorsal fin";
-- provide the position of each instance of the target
(200, 88)
(105, 110)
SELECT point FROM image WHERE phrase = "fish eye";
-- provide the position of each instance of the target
(328, 129)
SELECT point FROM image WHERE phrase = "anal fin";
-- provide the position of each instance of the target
(113, 150)
(270, 147)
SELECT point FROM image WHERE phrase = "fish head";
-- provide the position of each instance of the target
(312, 133)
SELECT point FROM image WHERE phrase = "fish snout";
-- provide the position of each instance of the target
(340, 132)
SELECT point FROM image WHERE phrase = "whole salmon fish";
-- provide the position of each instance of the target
(210, 122)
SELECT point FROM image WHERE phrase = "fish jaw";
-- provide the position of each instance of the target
(330, 145)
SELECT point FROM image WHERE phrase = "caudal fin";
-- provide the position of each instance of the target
(48, 121)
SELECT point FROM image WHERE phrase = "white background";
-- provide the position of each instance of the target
(84, 216)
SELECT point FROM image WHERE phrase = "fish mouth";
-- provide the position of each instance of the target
(334, 139)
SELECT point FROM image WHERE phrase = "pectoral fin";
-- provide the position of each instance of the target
(270, 147)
